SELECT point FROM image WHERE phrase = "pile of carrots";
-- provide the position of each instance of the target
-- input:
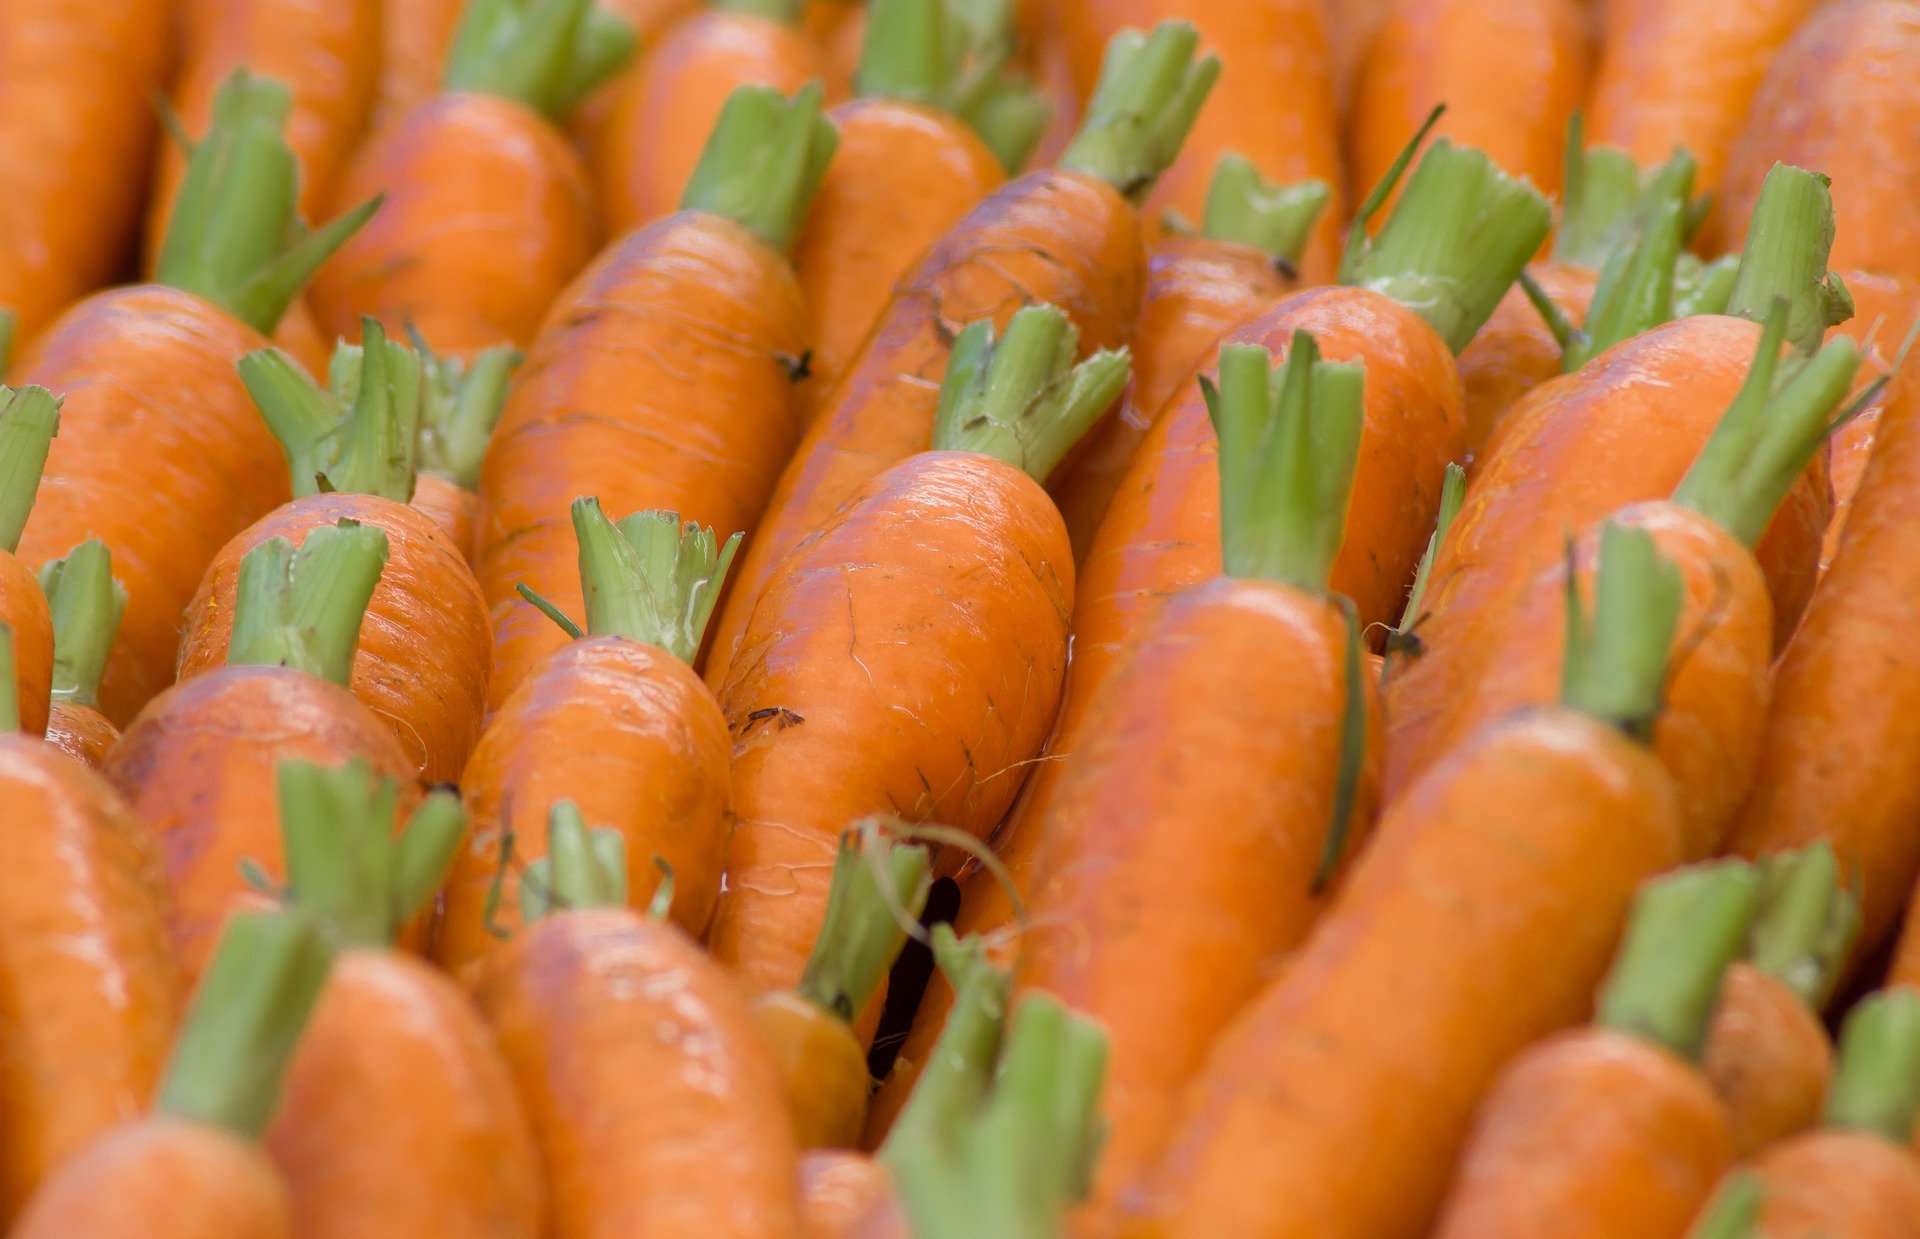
(830, 619)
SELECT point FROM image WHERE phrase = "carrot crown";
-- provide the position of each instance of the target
(1021, 399)
(460, 404)
(1453, 489)
(1461, 233)
(361, 434)
(1687, 927)
(763, 162)
(360, 879)
(236, 237)
(1245, 208)
(1788, 241)
(29, 418)
(1150, 92)
(245, 1022)
(9, 684)
(1806, 923)
(942, 55)
(546, 54)
(302, 608)
(1616, 660)
(1876, 1079)
(582, 868)
(1605, 196)
(87, 604)
(879, 886)
(1768, 434)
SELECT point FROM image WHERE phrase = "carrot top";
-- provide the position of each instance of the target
(87, 604)
(879, 886)
(29, 418)
(1616, 660)
(236, 237)
(1806, 922)
(1687, 927)
(763, 162)
(346, 865)
(302, 608)
(1703, 287)
(1876, 1079)
(1734, 1211)
(1605, 196)
(9, 684)
(1405, 638)
(547, 54)
(1768, 434)
(582, 868)
(937, 54)
(459, 406)
(245, 1021)
(1021, 399)
(1245, 208)
(1150, 92)
(1788, 240)
(361, 434)
(1460, 234)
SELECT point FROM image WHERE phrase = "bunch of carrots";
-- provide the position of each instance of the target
(960, 619)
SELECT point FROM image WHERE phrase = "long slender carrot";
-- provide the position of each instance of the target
(616, 722)
(398, 1114)
(163, 457)
(77, 82)
(655, 1106)
(664, 379)
(488, 213)
(1068, 236)
(460, 405)
(865, 684)
(1483, 914)
(86, 605)
(351, 453)
(29, 420)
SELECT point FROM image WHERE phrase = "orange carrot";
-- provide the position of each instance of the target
(843, 1193)
(837, 29)
(86, 604)
(414, 38)
(29, 420)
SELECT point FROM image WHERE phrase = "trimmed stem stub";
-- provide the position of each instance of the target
(1150, 92)
(361, 434)
(1876, 1076)
(1634, 293)
(1703, 287)
(86, 603)
(879, 889)
(763, 162)
(1734, 1211)
(1788, 241)
(582, 868)
(9, 684)
(786, 12)
(1405, 638)
(1807, 922)
(1608, 200)
(29, 419)
(460, 404)
(1687, 928)
(1245, 208)
(650, 578)
(303, 608)
(1616, 658)
(942, 55)
(548, 55)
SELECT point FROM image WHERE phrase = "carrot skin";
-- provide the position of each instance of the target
(651, 20)
(82, 732)
(452, 507)
(23, 609)
(839, 1190)
(414, 38)
(1515, 352)
(1838, 1182)
(823, 1066)
(1768, 1058)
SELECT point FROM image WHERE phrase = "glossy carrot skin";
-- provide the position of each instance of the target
(842, 705)
(414, 38)
(198, 767)
(654, 1106)
(1836, 1182)
(1058, 238)
(452, 507)
(1884, 310)
(91, 995)
(863, 234)
(398, 1115)
(1515, 352)
(23, 609)
(631, 736)
(1768, 1058)
(823, 1066)
(839, 1191)
(163, 1179)
(82, 732)
(487, 216)
(1515, 861)
(661, 380)
(77, 83)
(425, 643)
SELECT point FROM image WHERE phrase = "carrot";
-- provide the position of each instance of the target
(691, 410)
(460, 405)
(1351, 25)
(351, 452)
(86, 604)
(1482, 915)
(1226, 769)
(29, 421)
(83, 949)
(655, 1107)
(838, 29)
(163, 457)
(1613, 1128)
(843, 1193)
(1068, 236)
(197, 764)
(77, 82)
(414, 38)
(398, 1114)
(616, 721)
(193, 1167)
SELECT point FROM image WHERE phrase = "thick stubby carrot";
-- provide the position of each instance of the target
(29, 420)
(86, 604)
(655, 1107)
(1483, 913)
(663, 379)
(616, 722)
(77, 83)
(839, 1191)
(1516, 352)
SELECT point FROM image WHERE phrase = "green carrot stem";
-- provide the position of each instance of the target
(236, 237)
(1635, 290)
(548, 55)
(461, 403)
(1876, 1077)
(1734, 1211)
(29, 419)
(649, 578)
(582, 868)
(1245, 208)
(86, 603)
(302, 608)
(1788, 241)
(1150, 92)
(1687, 927)
(361, 435)
(763, 162)
(1616, 660)
(1806, 923)
(786, 12)
(9, 684)
(879, 886)
(1599, 185)
(961, 1064)
(9, 322)
(1011, 116)
(1703, 287)
(953, 57)
(245, 1022)
(1453, 489)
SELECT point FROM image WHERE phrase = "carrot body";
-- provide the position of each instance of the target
(298, 335)
(1515, 352)
(1884, 310)
(654, 1106)
(398, 1115)
(487, 216)
(90, 992)
(451, 506)
(837, 29)
(629, 734)
(23, 609)
(414, 38)
(1056, 237)
(658, 383)
(198, 768)
(77, 83)
(1484, 913)
(1837, 1182)
(651, 20)
(823, 1064)
(839, 1191)
(161, 455)
(842, 706)
(82, 732)
(1768, 1058)
(422, 660)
